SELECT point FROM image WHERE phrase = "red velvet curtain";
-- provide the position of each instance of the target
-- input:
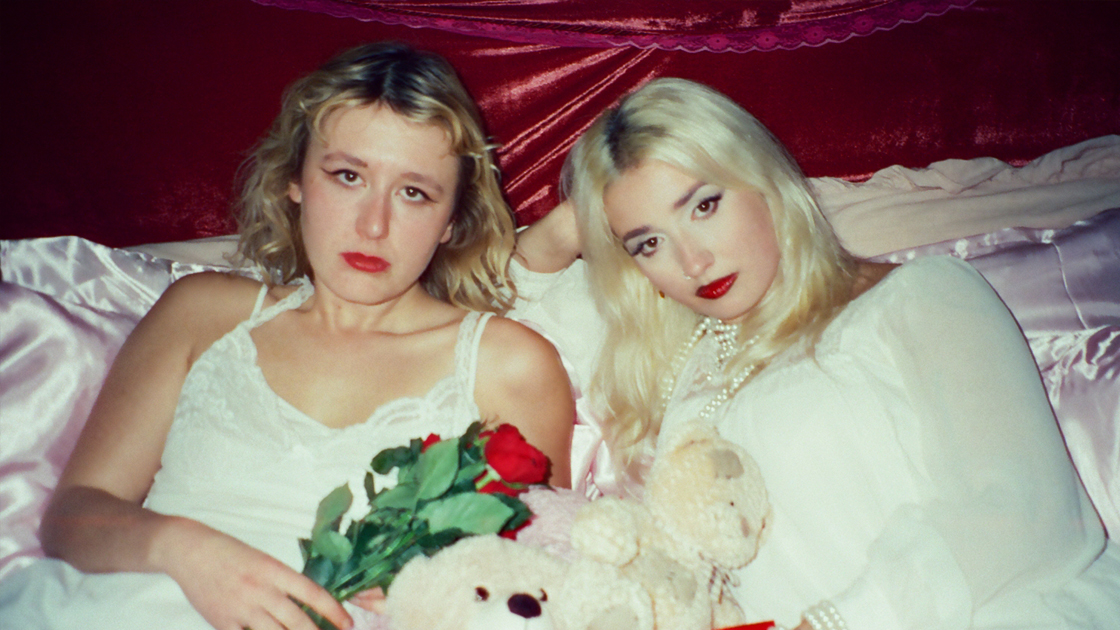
(127, 119)
(689, 26)
(563, 61)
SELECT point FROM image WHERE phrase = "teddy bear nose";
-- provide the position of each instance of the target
(524, 605)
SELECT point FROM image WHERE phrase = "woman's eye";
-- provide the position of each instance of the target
(708, 206)
(346, 176)
(413, 193)
(644, 248)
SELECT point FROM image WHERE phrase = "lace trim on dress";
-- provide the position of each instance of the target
(466, 357)
(456, 389)
(304, 290)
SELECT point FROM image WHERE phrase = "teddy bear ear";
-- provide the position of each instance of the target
(726, 463)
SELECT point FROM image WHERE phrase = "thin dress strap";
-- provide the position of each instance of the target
(304, 290)
(466, 355)
(260, 300)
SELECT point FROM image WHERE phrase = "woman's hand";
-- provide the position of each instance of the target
(372, 600)
(551, 243)
(235, 586)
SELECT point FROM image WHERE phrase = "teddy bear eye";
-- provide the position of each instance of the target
(544, 596)
(481, 594)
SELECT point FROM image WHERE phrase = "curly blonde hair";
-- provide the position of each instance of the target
(471, 270)
(701, 132)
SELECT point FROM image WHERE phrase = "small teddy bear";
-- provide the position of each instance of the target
(492, 583)
(703, 514)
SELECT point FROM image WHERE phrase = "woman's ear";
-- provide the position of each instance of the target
(295, 193)
(447, 233)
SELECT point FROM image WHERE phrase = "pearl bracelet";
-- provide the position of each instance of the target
(824, 616)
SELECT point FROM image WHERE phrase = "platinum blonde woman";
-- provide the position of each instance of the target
(236, 406)
(916, 472)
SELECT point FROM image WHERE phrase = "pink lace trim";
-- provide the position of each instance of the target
(801, 31)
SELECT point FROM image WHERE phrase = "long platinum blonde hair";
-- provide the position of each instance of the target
(701, 132)
(471, 270)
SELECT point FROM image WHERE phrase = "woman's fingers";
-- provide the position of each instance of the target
(372, 600)
(259, 619)
(303, 589)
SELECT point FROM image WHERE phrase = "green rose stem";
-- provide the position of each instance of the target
(487, 477)
(382, 572)
(441, 496)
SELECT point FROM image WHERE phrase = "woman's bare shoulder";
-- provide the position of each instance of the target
(517, 360)
(206, 305)
(516, 347)
(522, 381)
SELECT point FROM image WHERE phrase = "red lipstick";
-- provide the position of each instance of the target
(368, 264)
(717, 289)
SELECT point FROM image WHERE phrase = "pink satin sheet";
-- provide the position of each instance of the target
(66, 306)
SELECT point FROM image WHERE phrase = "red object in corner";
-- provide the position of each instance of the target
(762, 625)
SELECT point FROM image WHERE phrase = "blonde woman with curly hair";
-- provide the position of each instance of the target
(915, 469)
(373, 209)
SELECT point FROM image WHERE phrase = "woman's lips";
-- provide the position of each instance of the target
(717, 289)
(368, 264)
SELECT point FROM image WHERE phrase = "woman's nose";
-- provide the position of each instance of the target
(694, 258)
(373, 218)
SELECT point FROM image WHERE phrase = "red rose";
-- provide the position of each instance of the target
(428, 441)
(514, 459)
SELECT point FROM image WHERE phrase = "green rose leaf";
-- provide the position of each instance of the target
(371, 491)
(320, 569)
(471, 434)
(472, 513)
(331, 508)
(391, 458)
(436, 468)
(469, 472)
(401, 496)
(305, 549)
(431, 543)
(332, 545)
(521, 512)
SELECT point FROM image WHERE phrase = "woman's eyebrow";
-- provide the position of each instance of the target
(421, 178)
(635, 232)
(687, 195)
(345, 157)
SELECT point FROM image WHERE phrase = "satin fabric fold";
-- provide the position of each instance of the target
(66, 306)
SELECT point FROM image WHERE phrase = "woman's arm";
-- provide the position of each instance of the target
(94, 519)
(523, 382)
(1005, 512)
(551, 243)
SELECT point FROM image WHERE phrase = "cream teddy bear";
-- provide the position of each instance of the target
(491, 583)
(703, 515)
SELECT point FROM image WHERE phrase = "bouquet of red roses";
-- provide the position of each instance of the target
(446, 489)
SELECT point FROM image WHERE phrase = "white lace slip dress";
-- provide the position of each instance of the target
(242, 460)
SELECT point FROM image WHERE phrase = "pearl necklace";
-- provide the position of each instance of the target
(726, 336)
